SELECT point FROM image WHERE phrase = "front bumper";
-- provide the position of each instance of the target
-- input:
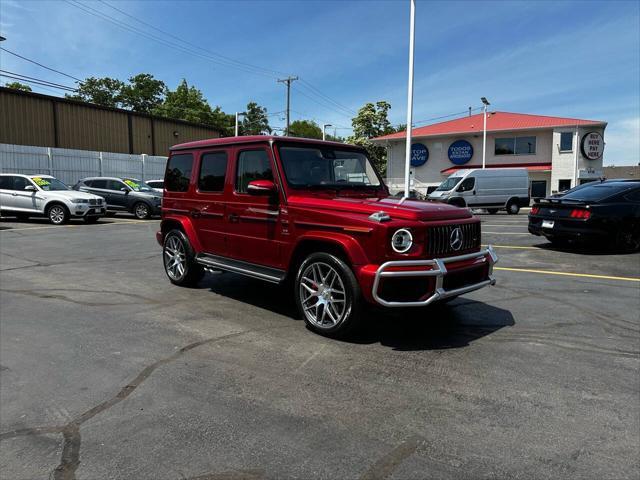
(83, 210)
(435, 269)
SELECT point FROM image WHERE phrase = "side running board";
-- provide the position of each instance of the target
(260, 272)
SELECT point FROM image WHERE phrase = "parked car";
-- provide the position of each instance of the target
(604, 212)
(492, 188)
(316, 215)
(27, 196)
(157, 185)
(124, 195)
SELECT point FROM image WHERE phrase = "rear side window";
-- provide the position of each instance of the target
(19, 183)
(178, 173)
(252, 165)
(6, 183)
(98, 183)
(213, 169)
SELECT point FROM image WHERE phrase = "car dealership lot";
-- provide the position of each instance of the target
(109, 371)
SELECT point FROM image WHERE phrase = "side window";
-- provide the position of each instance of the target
(6, 182)
(467, 184)
(19, 183)
(213, 169)
(178, 174)
(114, 185)
(86, 183)
(98, 183)
(633, 196)
(252, 165)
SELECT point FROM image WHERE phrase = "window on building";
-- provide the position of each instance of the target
(566, 141)
(515, 146)
(252, 165)
(564, 185)
(178, 173)
(213, 169)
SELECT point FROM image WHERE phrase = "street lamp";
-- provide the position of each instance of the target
(324, 130)
(486, 103)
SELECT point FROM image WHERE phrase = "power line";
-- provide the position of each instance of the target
(447, 116)
(221, 59)
(169, 34)
(324, 105)
(41, 65)
(37, 81)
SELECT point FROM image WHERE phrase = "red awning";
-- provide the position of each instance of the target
(531, 167)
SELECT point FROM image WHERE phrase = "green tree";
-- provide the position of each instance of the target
(143, 93)
(186, 103)
(255, 121)
(305, 129)
(370, 122)
(101, 91)
(18, 86)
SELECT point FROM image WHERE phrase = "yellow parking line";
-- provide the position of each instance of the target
(513, 246)
(119, 222)
(567, 274)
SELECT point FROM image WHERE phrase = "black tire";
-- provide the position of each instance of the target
(91, 219)
(192, 273)
(333, 322)
(142, 211)
(513, 207)
(57, 214)
(628, 239)
(492, 211)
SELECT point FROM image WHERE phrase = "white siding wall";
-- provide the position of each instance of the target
(564, 162)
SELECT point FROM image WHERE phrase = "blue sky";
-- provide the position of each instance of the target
(574, 59)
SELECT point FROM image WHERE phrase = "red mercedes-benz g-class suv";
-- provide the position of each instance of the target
(318, 215)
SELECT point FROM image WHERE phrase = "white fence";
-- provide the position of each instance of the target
(73, 165)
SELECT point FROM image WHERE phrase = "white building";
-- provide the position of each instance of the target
(559, 153)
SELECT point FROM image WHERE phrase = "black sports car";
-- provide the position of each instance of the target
(607, 212)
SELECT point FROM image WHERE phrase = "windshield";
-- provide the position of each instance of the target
(597, 192)
(49, 184)
(309, 167)
(448, 184)
(137, 185)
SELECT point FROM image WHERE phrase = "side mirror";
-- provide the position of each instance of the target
(30, 188)
(262, 187)
(460, 189)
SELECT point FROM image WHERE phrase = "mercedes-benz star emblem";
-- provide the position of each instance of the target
(455, 240)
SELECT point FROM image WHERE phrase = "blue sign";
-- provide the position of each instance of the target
(460, 152)
(419, 154)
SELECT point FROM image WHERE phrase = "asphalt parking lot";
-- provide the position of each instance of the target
(108, 371)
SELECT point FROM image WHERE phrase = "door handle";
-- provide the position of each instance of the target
(234, 218)
(195, 213)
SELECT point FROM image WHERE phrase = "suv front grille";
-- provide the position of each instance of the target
(439, 239)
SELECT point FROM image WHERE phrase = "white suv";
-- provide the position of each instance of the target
(26, 196)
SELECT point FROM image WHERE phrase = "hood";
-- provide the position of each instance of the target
(73, 194)
(407, 210)
(440, 193)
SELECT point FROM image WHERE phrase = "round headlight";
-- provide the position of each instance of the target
(402, 240)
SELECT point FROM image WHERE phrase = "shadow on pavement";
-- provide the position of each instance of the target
(438, 327)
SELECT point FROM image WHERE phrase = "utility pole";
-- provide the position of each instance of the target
(287, 81)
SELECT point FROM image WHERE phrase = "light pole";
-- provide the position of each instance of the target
(486, 103)
(238, 121)
(407, 159)
(324, 130)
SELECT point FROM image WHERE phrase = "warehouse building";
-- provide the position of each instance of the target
(46, 121)
(558, 153)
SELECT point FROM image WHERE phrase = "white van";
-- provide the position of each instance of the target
(492, 188)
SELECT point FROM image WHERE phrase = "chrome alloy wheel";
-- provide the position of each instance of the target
(175, 258)
(56, 214)
(322, 295)
(142, 211)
